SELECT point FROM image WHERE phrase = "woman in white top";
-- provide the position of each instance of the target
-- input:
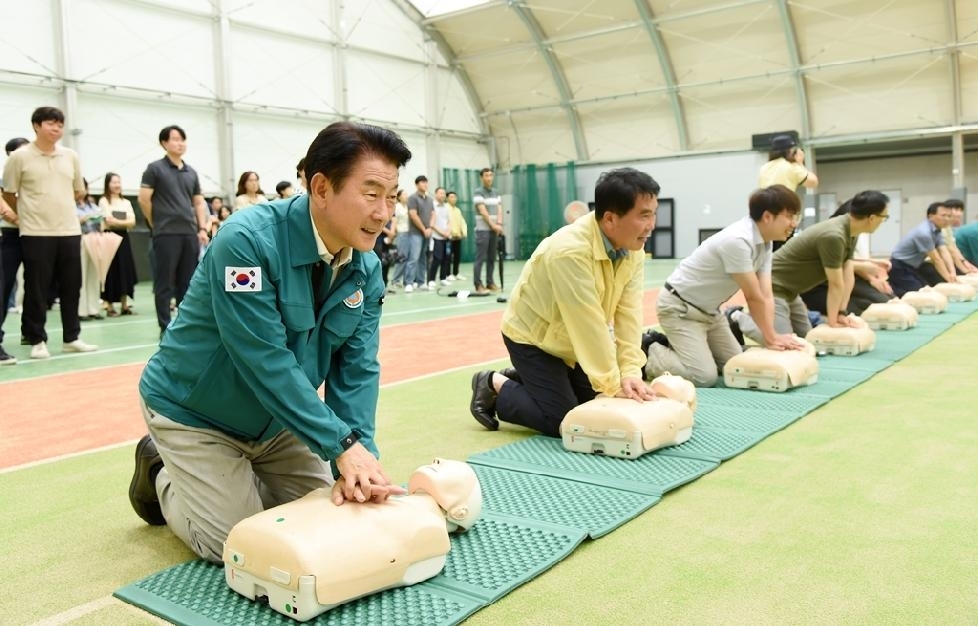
(119, 218)
(249, 191)
(400, 235)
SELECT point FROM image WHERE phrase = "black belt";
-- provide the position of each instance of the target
(673, 291)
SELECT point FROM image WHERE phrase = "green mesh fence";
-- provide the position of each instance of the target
(464, 182)
(539, 197)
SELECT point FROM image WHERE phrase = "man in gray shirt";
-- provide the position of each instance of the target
(908, 272)
(700, 340)
(174, 208)
(420, 207)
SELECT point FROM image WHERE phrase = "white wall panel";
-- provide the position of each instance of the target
(132, 45)
(26, 44)
(454, 110)
(379, 25)
(271, 147)
(418, 164)
(385, 89)
(630, 128)
(273, 70)
(311, 18)
(123, 136)
(464, 155)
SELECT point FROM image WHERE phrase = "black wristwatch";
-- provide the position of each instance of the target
(347, 442)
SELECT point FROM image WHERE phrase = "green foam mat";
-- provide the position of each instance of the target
(651, 474)
(787, 401)
(715, 416)
(499, 553)
(865, 362)
(711, 444)
(195, 594)
(828, 389)
(593, 509)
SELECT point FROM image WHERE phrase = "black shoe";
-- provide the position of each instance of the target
(653, 336)
(483, 404)
(734, 326)
(142, 489)
(5, 358)
(512, 374)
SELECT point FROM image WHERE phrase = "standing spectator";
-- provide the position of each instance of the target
(119, 218)
(786, 166)
(284, 189)
(440, 227)
(174, 208)
(249, 191)
(400, 241)
(420, 207)
(90, 219)
(216, 204)
(42, 180)
(459, 231)
(10, 256)
(488, 226)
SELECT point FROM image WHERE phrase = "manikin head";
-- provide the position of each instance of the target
(454, 486)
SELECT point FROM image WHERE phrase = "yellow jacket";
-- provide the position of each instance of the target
(572, 302)
(459, 229)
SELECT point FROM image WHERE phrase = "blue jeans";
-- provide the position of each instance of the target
(415, 252)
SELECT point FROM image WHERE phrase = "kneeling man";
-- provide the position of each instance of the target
(574, 323)
(700, 341)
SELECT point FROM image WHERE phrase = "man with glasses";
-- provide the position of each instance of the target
(822, 252)
(924, 242)
(698, 341)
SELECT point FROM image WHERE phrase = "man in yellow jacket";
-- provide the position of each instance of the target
(574, 323)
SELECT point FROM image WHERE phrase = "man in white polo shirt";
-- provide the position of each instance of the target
(698, 340)
(41, 182)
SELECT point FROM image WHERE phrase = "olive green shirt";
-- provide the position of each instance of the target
(800, 264)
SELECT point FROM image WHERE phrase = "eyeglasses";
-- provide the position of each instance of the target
(883, 216)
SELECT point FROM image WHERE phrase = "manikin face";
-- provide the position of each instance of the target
(354, 215)
(631, 230)
(49, 130)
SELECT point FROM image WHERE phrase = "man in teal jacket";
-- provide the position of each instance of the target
(287, 297)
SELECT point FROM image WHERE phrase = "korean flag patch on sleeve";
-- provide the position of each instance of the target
(242, 279)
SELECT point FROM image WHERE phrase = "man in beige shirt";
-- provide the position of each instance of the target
(42, 181)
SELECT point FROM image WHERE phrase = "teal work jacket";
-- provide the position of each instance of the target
(247, 353)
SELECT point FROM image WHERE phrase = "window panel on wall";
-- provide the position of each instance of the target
(134, 45)
(27, 44)
(724, 116)
(384, 89)
(273, 70)
(310, 18)
(453, 109)
(122, 135)
(271, 146)
(380, 25)
(908, 92)
(16, 106)
(630, 128)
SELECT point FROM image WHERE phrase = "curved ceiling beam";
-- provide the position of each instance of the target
(446, 51)
(954, 56)
(668, 72)
(557, 73)
(795, 57)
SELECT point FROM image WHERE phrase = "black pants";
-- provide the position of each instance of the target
(863, 294)
(175, 259)
(455, 248)
(11, 258)
(439, 260)
(549, 389)
(47, 260)
(485, 253)
(904, 277)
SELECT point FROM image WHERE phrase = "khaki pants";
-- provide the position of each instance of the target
(700, 344)
(789, 317)
(211, 481)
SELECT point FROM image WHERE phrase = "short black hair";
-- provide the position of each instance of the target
(869, 202)
(617, 190)
(954, 203)
(282, 186)
(15, 143)
(300, 167)
(420, 179)
(340, 145)
(47, 114)
(484, 170)
(165, 133)
(451, 193)
(774, 200)
(932, 208)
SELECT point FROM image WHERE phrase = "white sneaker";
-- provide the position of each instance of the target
(459, 277)
(79, 346)
(408, 288)
(446, 282)
(40, 351)
(432, 284)
(451, 277)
